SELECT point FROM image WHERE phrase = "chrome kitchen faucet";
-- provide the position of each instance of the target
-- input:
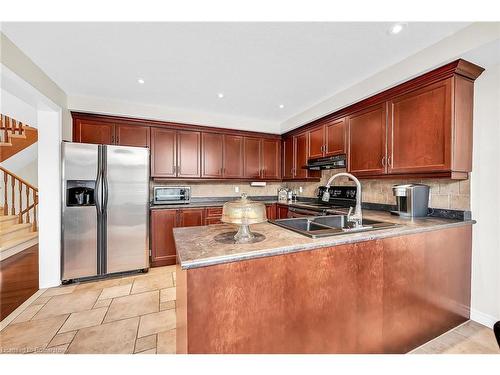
(357, 218)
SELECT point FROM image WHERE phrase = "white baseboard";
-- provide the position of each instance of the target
(482, 318)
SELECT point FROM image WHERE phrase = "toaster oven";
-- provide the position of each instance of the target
(171, 194)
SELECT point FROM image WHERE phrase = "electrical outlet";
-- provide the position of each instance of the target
(236, 189)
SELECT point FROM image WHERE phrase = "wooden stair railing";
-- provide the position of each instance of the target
(10, 127)
(20, 198)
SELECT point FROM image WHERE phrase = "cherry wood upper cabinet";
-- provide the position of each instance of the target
(88, 131)
(301, 155)
(191, 217)
(335, 135)
(420, 130)
(163, 152)
(367, 141)
(162, 237)
(252, 157)
(212, 157)
(288, 157)
(233, 156)
(188, 154)
(271, 165)
(317, 142)
(132, 135)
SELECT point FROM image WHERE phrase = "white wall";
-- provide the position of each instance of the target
(485, 198)
(49, 192)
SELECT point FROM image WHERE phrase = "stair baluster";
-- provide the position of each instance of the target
(26, 209)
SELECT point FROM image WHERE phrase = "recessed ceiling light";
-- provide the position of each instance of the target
(220, 95)
(282, 106)
(141, 81)
(396, 28)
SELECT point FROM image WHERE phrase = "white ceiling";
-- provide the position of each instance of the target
(256, 65)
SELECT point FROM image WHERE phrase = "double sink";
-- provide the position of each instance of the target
(332, 225)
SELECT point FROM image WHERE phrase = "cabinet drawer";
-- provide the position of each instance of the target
(213, 220)
(214, 211)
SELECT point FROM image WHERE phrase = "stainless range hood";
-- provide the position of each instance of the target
(329, 162)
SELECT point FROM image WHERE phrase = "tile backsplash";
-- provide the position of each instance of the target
(223, 189)
(444, 193)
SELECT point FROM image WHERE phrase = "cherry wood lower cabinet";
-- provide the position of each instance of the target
(271, 211)
(18, 279)
(380, 296)
(162, 237)
(281, 211)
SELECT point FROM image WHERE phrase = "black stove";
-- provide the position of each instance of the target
(341, 198)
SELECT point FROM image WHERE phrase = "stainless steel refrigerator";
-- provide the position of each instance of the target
(104, 210)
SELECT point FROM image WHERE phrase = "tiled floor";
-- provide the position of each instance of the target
(133, 314)
(136, 314)
(469, 338)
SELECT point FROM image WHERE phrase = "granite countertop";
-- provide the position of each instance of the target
(196, 246)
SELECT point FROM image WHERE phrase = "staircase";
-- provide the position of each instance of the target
(18, 213)
(14, 137)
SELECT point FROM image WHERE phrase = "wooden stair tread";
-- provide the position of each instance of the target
(6, 144)
(7, 217)
(18, 240)
(14, 228)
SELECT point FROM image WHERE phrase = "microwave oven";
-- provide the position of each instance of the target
(171, 194)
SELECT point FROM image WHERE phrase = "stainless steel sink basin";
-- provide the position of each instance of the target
(332, 225)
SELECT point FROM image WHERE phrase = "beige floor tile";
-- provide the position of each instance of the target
(41, 301)
(166, 342)
(62, 338)
(167, 294)
(152, 282)
(145, 343)
(57, 291)
(164, 269)
(100, 285)
(468, 347)
(115, 291)
(31, 335)
(68, 303)
(84, 319)
(102, 303)
(150, 351)
(167, 305)
(27, 314)
(157, 322)
(133, 305)
(115, 337)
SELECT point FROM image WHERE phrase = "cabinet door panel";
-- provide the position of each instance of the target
(132, 135)
(300, 155)
(163, 152)
(271, 159)
(420, 130)
(233, 156)
(316, 142)
(252, 157)
(212, 145)
(367, 141)
(94, 132)
(162, 237)
(188, 154)
(288, 157)
(271, 211)
(335, 137)
(191, 217)
(282, 211)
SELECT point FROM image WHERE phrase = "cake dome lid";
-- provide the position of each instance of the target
(243, 211)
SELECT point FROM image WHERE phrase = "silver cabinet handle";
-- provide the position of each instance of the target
(389, 162)
(383, 161)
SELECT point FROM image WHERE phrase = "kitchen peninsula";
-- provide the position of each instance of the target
(384, 291)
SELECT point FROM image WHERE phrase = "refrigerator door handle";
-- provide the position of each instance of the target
(98, 192)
